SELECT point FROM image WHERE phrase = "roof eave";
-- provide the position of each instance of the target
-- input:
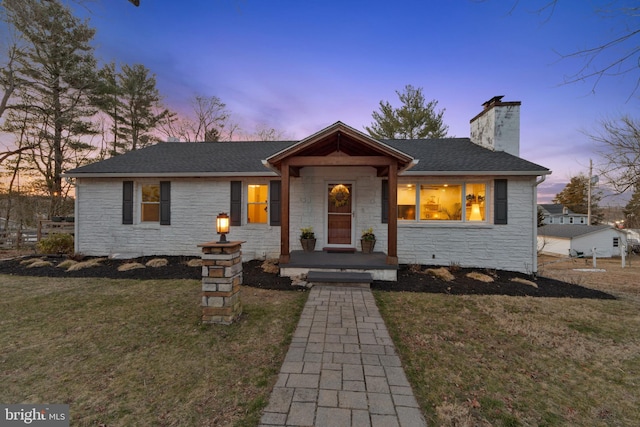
(481, 172)
(168, 174)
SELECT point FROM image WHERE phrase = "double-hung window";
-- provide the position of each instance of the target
(257, 203)
(150, 203)
(153, 199)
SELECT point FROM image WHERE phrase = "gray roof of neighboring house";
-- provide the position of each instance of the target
(557, 209)
(569, 231)
(553, 208)
(245, 158)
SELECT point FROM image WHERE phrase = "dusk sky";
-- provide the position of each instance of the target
(299, 66)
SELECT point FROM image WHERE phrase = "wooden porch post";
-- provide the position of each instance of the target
(284, 212)
(392, 223)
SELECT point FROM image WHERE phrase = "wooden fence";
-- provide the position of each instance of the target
(25, 238)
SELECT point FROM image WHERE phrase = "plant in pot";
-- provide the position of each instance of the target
(307, 239)
(367, 240)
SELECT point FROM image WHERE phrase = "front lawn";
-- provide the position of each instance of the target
(523, 361)
(132, 352)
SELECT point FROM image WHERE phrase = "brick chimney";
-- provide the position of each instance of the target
(497, 127)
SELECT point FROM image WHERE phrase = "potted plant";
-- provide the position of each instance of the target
(367, 240)
(307, 239)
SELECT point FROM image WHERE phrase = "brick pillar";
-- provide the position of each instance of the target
(221, 279)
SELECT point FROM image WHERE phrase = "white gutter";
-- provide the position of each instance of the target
(411, 164)
(268, 165)
(534, 196)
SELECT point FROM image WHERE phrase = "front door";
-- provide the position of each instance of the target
(339, 214)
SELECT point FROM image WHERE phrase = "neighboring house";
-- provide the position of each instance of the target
(570, 240)
(466, 201)
(559, 214)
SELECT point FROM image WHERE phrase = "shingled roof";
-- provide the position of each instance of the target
(188, 159)
(569, 231)
(436, 156)
(452, 155)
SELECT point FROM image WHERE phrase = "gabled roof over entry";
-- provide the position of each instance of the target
(340, 140)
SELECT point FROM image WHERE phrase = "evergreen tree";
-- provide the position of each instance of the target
(632, 209)
(57, 70)
(575, 197)
(107, 99)
(416, 118)
(140, 99)
(130, 98)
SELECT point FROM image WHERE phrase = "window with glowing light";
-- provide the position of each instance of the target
(440, 202)
(407, 201)
(463, 202)
(257, 203)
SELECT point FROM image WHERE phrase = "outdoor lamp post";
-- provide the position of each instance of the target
(222, 226)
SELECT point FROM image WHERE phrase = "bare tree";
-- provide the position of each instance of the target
(9, 80)
(619, 149)
(266, 133)
(623, 42)
(210, 121)
(210, 118)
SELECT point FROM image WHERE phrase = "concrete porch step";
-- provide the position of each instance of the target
(339, 278)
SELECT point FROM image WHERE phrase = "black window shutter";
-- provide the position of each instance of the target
(275, 187)
(165, 202)
(500, 201)
(127, 202)
(385, 202)
(236, 203)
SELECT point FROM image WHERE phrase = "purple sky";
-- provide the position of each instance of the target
(299, 66)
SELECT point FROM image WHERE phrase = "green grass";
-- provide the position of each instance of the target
(509, 361)
(127, 352)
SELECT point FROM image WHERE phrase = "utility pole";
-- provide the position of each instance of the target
(589, 193)
(592, 180)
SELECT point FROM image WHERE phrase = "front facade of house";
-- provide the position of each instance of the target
(453, 201)
(559, 214)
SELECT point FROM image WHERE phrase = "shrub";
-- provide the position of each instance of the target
(58, 243)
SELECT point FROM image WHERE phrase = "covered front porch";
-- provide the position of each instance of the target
(366, 170)
(301, 263)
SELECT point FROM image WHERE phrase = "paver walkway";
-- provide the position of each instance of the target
(342, 368)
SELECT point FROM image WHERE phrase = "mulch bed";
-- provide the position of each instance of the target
(409, 279)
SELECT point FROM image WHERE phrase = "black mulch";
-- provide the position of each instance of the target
(253, 275)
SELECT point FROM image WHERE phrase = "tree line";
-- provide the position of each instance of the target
(60, 110)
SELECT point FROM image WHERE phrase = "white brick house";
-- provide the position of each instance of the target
(455, 200)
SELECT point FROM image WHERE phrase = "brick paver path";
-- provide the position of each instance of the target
(342, 368)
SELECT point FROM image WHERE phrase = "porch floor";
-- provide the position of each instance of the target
(301, 262)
